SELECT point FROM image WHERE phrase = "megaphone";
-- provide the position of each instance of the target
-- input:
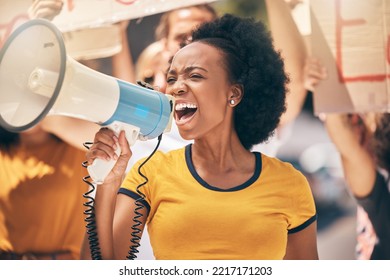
(37, 79)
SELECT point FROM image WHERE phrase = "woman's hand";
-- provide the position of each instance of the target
(104, 147)
(315, 72)
(47, 9)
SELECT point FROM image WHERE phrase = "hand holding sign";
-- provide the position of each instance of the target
(46, 9)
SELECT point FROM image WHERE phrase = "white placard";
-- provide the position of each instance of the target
(83, 14)
(351, 38)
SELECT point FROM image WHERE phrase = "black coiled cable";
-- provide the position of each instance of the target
(90, 214)
(135, 234)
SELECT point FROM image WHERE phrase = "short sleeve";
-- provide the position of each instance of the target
(304, 210)
(135, 184)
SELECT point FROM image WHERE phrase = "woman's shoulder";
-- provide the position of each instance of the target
(276, 162)
(280, 167)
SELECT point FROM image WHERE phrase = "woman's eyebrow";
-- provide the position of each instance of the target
(187, 70)
(191, 68)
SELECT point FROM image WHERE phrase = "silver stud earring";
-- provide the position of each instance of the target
(232, 102)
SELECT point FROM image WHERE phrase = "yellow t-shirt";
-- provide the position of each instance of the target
(41, 199)
(189, 219)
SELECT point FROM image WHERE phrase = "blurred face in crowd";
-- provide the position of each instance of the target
(152, 66)
(157, 74)
(181, 24)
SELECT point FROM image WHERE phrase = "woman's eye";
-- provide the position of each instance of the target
(170, 80)
(196, 76)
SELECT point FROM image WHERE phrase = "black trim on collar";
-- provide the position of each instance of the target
(256, 174)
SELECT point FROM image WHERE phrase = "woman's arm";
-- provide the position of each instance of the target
(349, 137)
(122, 63)
(71, 130)
(302, 245)
(358, 164)
(289, 41)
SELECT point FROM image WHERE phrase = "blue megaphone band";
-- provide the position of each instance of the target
(144, 108)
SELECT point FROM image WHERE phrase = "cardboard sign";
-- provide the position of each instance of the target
(82, 21)
(91, 13)
(351, 38)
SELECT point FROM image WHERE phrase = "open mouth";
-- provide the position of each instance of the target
(184, 111)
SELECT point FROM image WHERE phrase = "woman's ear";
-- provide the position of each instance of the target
(236, 94)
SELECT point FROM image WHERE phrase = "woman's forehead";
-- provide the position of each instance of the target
(197, 53)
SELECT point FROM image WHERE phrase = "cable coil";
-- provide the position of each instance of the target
(90, 214)
(135, 239)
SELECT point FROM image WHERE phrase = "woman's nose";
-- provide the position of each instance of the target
(180, 88)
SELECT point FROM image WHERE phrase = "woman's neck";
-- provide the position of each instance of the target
(222, 155)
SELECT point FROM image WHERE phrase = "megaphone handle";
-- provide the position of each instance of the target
(100, 168)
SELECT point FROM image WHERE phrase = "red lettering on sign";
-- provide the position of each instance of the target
(388, 49)
(124, 2)
(340, 23)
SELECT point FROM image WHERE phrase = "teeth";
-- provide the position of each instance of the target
(182, 106)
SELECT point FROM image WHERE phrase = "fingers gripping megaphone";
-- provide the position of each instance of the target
(37, 79)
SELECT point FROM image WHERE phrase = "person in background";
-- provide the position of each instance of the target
(363, 141)
(175, 27)
(41, 202)
(151, 64)
(122, 63)
(41, 193)
(41, 187)
(225, 109)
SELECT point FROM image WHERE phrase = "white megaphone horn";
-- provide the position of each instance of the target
(37, 78)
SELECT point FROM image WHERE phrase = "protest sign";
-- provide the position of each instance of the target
(90, 13)
(82, 21)
(351, 38)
